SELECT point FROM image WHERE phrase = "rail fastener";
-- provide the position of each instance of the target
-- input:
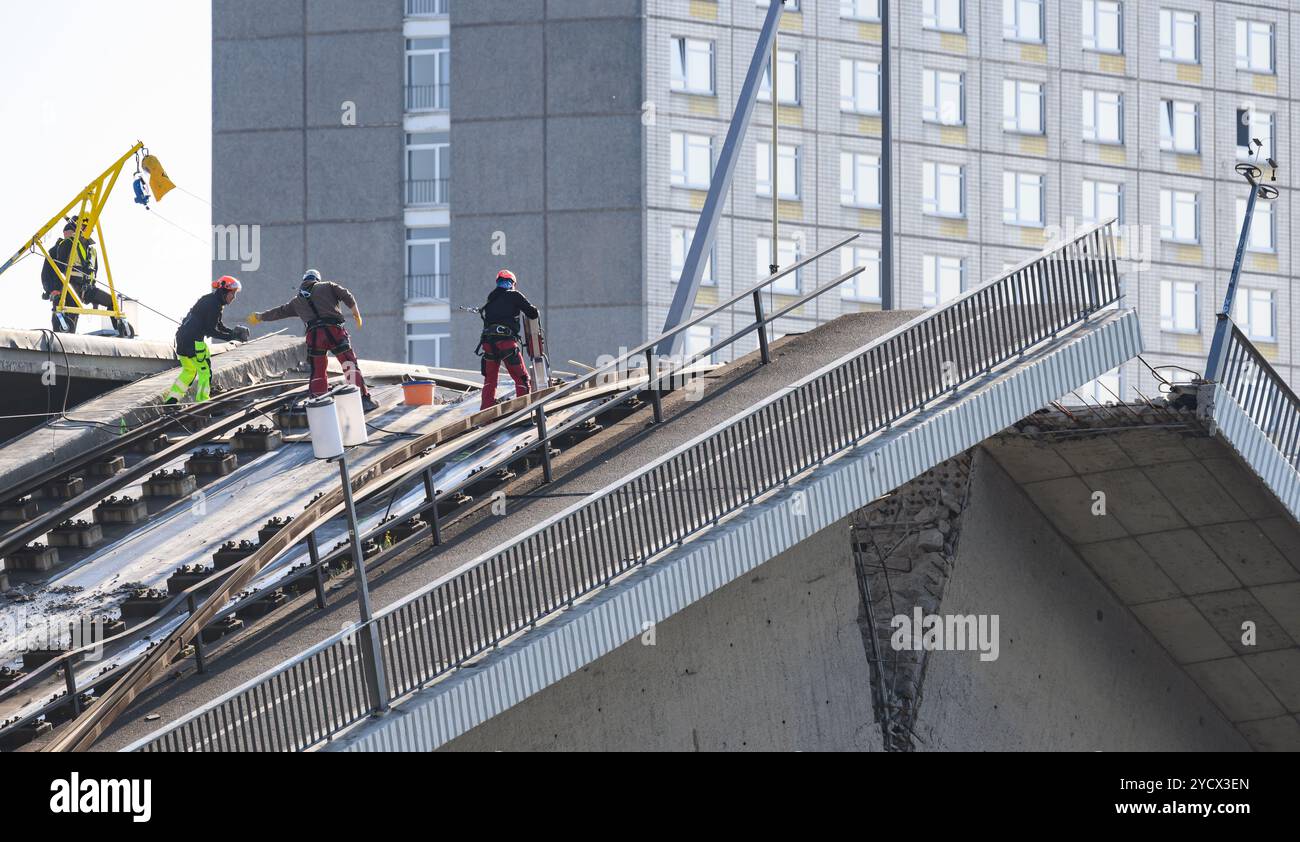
(231, 553)
(108, 466)
(271, 527)
(37, 557)
(260, 438)
(215, 462)
(152, 444)
(221, 628)
(121, 510)
(18, 511)
(176, 483)
(76, 533)
(144, 603)
(63, 488)
(185, 576)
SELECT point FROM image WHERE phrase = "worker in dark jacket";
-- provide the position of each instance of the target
(85, 265)
(317, 304)
(203, 320)
(500, 341)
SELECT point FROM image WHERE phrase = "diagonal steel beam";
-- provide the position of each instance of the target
(688, 285)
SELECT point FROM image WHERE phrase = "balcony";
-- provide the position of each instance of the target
(428, 97)
(425, 287)
(426, 191)
(426, 8)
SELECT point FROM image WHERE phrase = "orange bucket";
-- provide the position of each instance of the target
(417, 392)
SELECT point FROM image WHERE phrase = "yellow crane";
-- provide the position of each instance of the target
(88, 205)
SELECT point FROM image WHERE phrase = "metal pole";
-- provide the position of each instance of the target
(1223, 319)
(199, 660)
(719, 185)
(313, 551)
(371, 656)
(773, 263)
(431, 503)
(886, 168)
(762, 329)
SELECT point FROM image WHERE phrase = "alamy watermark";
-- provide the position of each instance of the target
(946, 632)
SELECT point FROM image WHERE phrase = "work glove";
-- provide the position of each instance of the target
(357, 315)
(242, 333)
(254, 319)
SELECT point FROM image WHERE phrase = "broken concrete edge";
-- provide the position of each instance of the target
(502, 678)
(137, 402)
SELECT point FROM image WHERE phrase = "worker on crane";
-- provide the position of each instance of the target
(77, 258)
(203, 320)
(500, 341)
(317, 304)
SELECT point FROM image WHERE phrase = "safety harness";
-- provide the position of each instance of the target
(495, 332)
(323, 321)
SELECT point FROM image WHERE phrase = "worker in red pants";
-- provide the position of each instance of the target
(318, 305)
(500, 342)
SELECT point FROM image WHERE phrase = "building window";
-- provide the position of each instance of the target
(864, 286)
(680, 246)
(692, 160)
(427, 343)
(1103, 200)
(428, 263)
(1180, 126)
(1255, 46)
(1103, 389)
(1261, 225)
(1022, 20)
(787, 254)
(943, 15)
(421, 8)
(692, 66)
(1022, 106)
(943, 189)
(943, 97)
(1254, 125)
(1178, 307)
(787, 170)
(945, 279)
(1180, 216)
(860, 9)
(1103, 116)
(1103, 26)
(787, 71)
(428, 74)
(700, 338)
(1254, 313)
(859, 180)
(1180, 36)
(859, 86)
(1022, 199)
(428, 165)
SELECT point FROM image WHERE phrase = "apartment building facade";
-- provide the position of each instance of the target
(1012, 119)
(330, 140)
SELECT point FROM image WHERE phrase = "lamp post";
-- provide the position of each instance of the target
(337, 421)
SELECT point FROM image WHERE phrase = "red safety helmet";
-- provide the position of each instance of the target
(228, 283)
(507, 276)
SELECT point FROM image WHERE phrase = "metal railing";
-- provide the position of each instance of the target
(428, 97)
(1262, 394)
(417, 8)
(473, 609)
(426, 191)
(426, 286)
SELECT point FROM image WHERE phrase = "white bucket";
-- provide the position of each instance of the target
(352, 417)
(326, 434)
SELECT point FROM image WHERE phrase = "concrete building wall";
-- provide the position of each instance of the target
(778, 661)
(1076, 670)
(548, 159)
(322, 193)
(771, 662)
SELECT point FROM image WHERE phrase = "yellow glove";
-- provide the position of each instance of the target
(253, 319)
(356, 314)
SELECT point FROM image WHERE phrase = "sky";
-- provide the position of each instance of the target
(80, 82)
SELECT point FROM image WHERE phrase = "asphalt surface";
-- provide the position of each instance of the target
(589, 465)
